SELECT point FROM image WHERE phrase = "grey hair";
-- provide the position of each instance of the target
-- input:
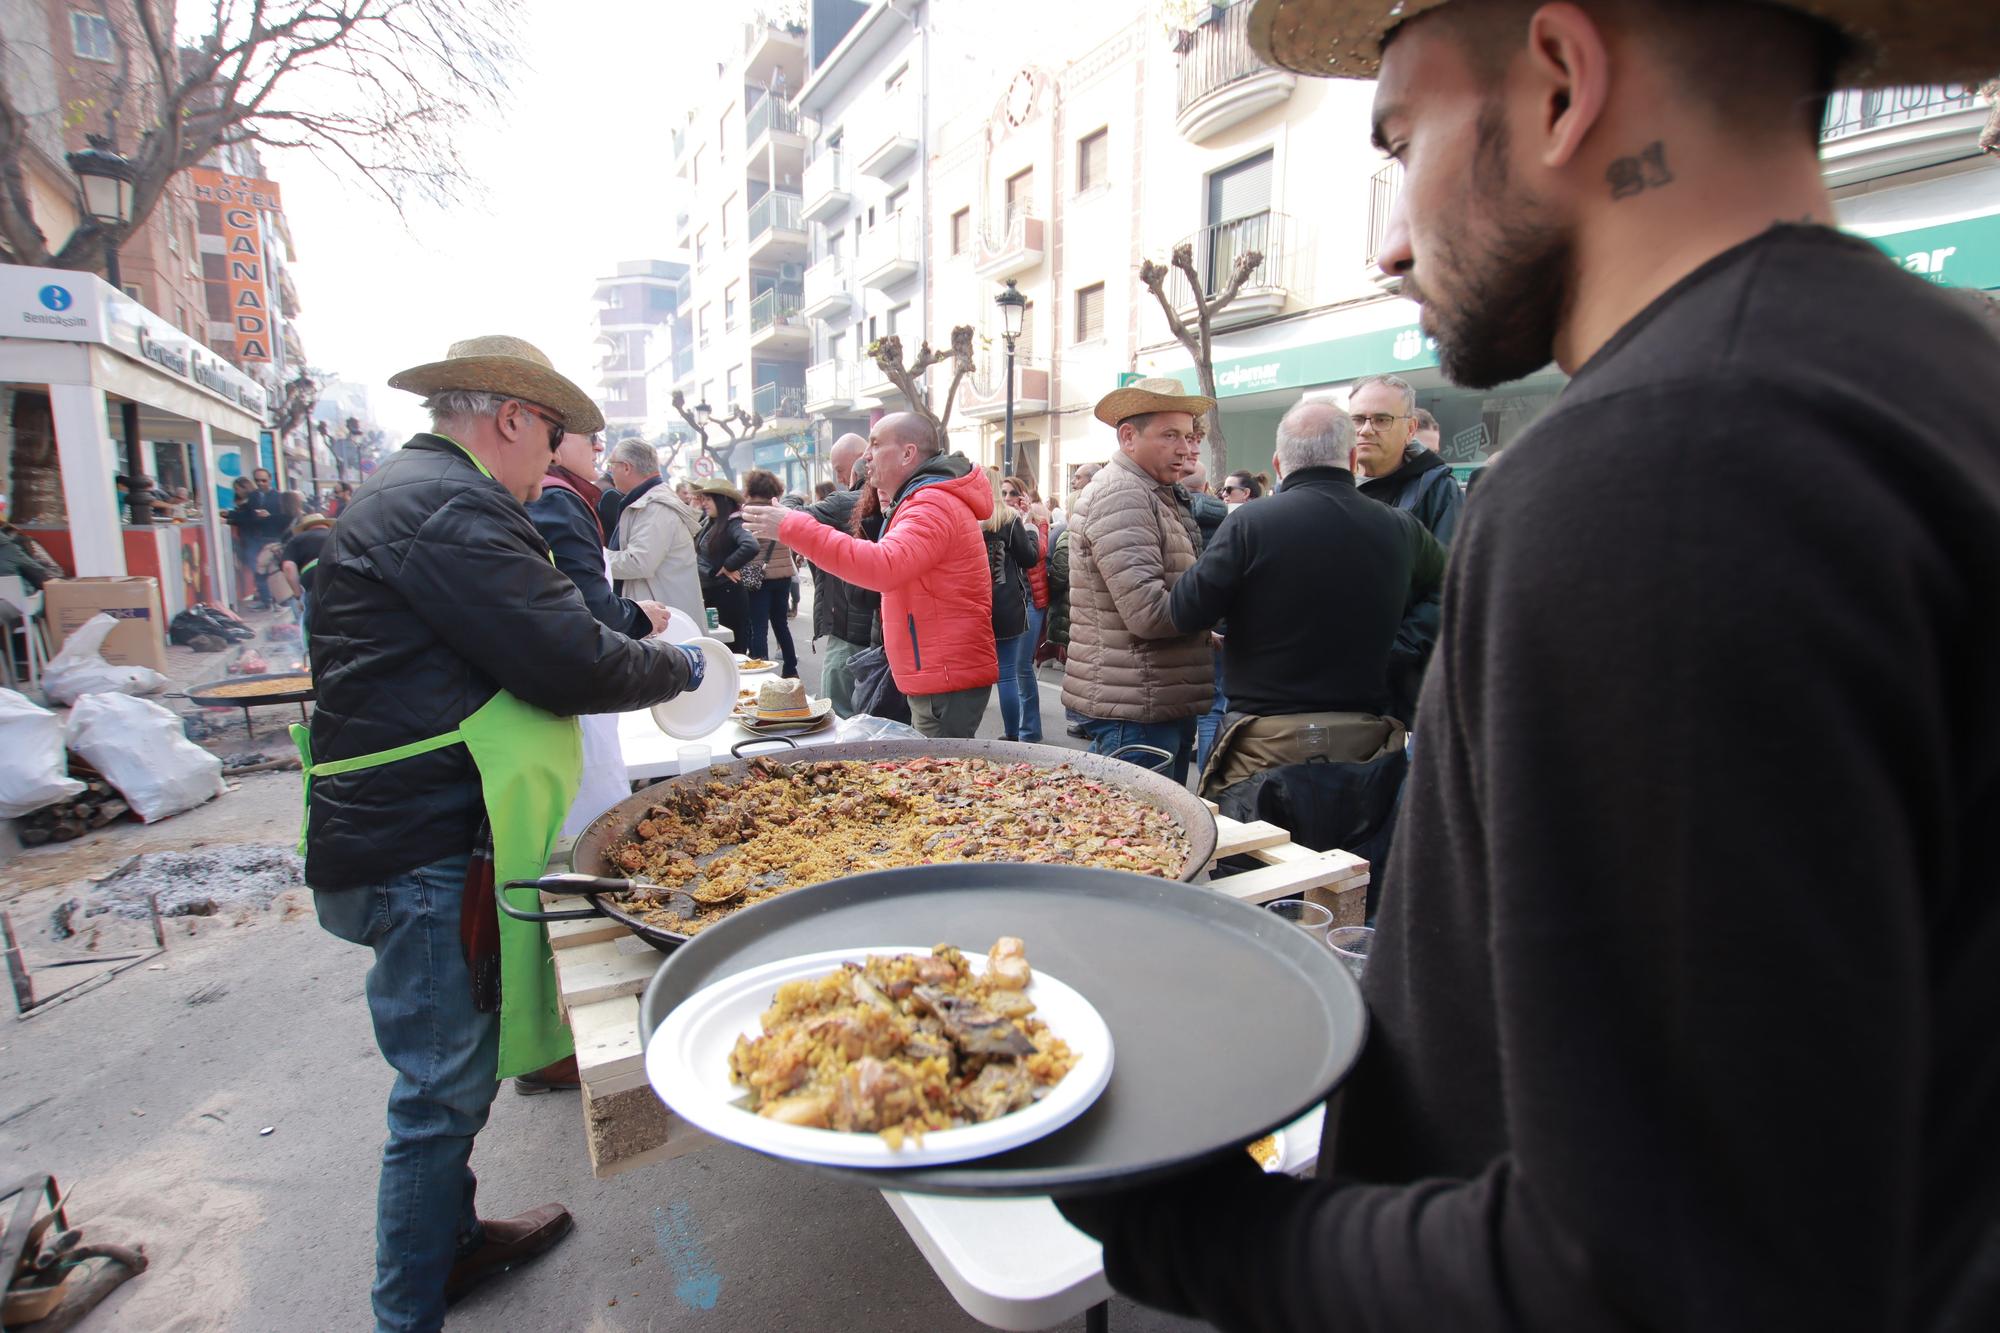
(1315, 433)
(1396, 382)
(463, 405)
(636, 454)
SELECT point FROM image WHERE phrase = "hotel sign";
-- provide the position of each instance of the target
(242, 200)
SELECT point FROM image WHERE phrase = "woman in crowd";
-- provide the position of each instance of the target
(1020, 496)
(243, 519)
(771, 604)
(721, 549)
(1241, 486)
(1011, 549)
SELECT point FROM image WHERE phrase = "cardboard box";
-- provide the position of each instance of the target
(140, 638)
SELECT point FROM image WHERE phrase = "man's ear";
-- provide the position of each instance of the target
(1569, 66)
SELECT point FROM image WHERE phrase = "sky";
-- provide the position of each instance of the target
(576, 176)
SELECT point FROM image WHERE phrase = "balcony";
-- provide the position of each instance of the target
(886, 139)
(890, 255)
(1017, 250)
(779, 402)
(826, 192)
(874, 386)
(683, 364)
(826, 292)
(774, 47)
(830, 386)
(1383, 187)
(1283, 273)
(1221, 80)
(777, 151)
(777, 236)
(983, 396)
(776, 326)
(1874, 132)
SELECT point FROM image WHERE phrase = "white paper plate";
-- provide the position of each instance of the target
(681, 627)
(687, 1062)
(691, 716)
(741, 658)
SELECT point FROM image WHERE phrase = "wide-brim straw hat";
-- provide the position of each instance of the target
(1154, 395)
(315, 521)
(1896, 42)
(717, 486)
(499, 364)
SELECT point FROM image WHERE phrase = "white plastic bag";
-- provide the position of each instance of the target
(78, 669)
(141, 749)
(33, 771)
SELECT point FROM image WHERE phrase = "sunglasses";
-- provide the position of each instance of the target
(556, 428)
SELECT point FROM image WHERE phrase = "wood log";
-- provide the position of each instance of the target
(109, 811)
(66, 830)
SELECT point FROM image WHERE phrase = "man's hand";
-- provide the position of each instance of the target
(655, 613)
(697, 664)
(763, 521)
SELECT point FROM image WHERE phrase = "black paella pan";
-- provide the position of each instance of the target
(596, 880)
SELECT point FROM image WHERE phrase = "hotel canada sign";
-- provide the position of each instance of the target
(242, 200)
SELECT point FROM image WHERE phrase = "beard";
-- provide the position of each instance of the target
(1503, 282)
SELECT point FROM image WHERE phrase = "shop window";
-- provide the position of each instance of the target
(1090, 313)
(91, 35)
(1093, 161)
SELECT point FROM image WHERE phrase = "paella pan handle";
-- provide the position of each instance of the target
(786, 741)
(1154, 750)
(584, 914)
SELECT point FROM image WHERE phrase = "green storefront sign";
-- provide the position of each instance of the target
(1954, 254)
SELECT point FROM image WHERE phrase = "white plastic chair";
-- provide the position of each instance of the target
(15, 594)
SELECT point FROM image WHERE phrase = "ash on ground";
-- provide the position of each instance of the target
(199, 883)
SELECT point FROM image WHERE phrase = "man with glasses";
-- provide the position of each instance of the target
(452, 658)
(1383, 409)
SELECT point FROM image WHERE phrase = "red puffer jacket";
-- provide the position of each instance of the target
(930, 567)
(1038, 573)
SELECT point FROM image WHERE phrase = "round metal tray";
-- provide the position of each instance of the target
(1228, 1022)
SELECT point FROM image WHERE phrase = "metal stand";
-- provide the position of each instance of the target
(24, 986)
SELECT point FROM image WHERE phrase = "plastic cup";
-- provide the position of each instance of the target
(693, 758)
(714, 620)
(1306, 916)
(1350, 945)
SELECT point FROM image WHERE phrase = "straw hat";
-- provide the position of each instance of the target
(315, 521)
(718, 486)
(1154, 395)
(1895, 42)
(510, 366)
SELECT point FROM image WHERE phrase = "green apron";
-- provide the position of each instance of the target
(530, 764)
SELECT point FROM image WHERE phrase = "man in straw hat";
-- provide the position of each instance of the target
(450, 655)
(1681, 1005)
(1132, 677)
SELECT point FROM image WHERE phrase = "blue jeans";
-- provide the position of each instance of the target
(445, 1054)
(1208, 724)
(1020, 701)
(770, 612)
(1176, 738)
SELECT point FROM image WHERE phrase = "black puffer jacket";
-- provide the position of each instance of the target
(1010, 552)
(435, 592)
(567, 524)
(841, 610)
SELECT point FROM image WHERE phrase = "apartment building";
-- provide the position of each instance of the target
(637, 304)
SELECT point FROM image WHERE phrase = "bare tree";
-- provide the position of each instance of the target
(376, 88)
(1989, 137)
(1199, 340)
(736, 428)
(887, 353)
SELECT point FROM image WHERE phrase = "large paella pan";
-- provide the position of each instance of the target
(687, 852)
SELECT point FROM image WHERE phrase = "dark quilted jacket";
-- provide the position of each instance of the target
(435, 592)
(840, 609)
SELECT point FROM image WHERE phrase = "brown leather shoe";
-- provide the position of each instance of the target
(506, 1244)
(558, 1077)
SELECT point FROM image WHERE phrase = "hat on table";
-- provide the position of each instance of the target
(499, 364)
(1895, 42)
(1153, 395)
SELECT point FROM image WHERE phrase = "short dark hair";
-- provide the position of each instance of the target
(1425, 421)
(761, 485)
(824, 489)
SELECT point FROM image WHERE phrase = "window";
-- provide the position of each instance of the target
(961, 231)
(90, 34)
(833, 243)
(694, 169)
(1020, 194)
(701, 248)
(899, 316)
(1239, 216)
(1090, 313)
(894, 203)
(894, 83)
(1093, 161)
(707, 392)
(702, 318)
(733, 379)
(722, 137)
(729, 308)
(1024, 345)
(728, 207)
(872, 333)
(833, 345)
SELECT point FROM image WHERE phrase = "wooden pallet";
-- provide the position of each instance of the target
(601, 968)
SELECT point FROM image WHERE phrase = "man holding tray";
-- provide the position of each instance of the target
(1682, 1007)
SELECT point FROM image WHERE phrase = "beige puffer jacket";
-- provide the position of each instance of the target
(1130, 541)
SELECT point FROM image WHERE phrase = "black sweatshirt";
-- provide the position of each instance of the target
(1684, 1001)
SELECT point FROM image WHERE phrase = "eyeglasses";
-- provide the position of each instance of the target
(1232, 486)
(556, 428)
(1379, 420)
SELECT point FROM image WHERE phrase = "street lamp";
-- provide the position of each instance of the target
(1013, 311)
(106, 177)
(702, 415)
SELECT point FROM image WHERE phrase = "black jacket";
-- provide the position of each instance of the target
(1009, 552)
(840, 609)
(1208, 513)
(1425, 487)
(435, 592)
(567, 525)
(1288, 651)
(610, 508)
(737, 548)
